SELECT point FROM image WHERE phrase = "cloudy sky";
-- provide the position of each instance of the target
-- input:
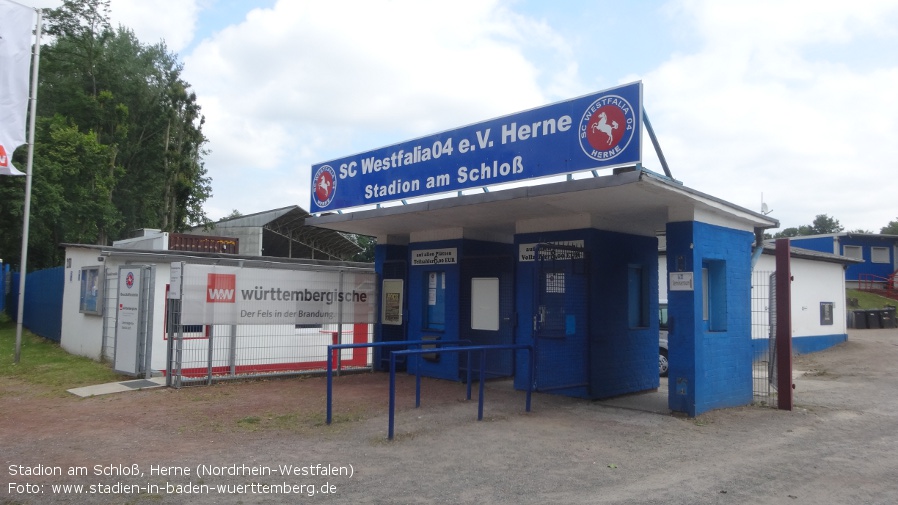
(795, 100)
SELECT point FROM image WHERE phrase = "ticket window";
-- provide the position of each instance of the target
(435, 304)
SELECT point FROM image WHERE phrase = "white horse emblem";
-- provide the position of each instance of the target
(323, 184)
(603, 126)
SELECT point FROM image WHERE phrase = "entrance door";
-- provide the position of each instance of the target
(133, 327)
(561, 317)
(487, 313)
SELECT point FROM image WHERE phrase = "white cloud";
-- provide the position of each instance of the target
(790, 98)
(173, 21)
(301, 82)
(752, 112)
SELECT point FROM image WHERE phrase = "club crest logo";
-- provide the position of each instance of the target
(129, 280)
(607, 127)
(325, 188)
(4, 159)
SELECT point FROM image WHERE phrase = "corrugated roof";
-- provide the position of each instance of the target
(289, 222)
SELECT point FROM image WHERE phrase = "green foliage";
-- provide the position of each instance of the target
(119, 144)
(44, 363)
(366, 255)
(891, 228)
(823, 224)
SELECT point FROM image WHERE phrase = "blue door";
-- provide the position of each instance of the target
(560, 322)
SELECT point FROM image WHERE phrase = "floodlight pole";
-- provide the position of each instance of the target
(27, 211)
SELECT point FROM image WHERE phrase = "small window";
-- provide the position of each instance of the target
(879, 254)
(714, 291)
(853, 251)
(662, 316)
(91, 291)
(638, 300)
(555, 282)
(706, 295)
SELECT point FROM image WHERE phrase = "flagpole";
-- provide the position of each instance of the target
(27, 211)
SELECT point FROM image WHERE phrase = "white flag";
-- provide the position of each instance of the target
(16, 24)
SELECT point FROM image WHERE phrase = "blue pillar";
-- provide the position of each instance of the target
(710, 320)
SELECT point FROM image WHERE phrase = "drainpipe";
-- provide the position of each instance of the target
(759, 247)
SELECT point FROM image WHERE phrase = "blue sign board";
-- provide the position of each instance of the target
(600, 130)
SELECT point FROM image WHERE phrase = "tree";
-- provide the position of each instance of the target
(891, 228)
(119, 144)
(366, 255)
(822, 225)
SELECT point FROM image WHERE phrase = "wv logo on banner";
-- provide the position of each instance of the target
(221, 288)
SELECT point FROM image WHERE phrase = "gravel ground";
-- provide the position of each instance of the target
(839, 445)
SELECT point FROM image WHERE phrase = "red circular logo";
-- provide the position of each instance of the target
(324, 185)
(325, 181)
(606, 127)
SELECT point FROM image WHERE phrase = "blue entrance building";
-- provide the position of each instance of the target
(569, 267)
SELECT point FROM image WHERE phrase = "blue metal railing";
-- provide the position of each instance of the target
(482, 348)
(394, 343)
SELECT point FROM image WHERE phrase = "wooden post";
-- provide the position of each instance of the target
(783, 325)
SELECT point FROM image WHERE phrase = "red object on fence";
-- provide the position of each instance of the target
(203, 243)
(359, 354)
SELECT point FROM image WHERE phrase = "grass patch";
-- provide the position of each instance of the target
(867, 300)
(249, 423)
(42, 362)
(297, 422)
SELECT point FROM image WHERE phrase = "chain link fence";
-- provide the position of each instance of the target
(269, 323)
(763, 317)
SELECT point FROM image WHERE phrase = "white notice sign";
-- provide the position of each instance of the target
(681, 281)
(435, 257)
(174, 290)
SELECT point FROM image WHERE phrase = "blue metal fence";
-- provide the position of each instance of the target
(4, 284)
(452, 346)
(482, 349)
(380, 345)
(43, 302)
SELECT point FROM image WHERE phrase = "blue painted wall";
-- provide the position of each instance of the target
(606, 352)
(453, 304)
(604, 349)
(481, 259)
(624, 356)
(802, 345)
(390, 262)
(446, 367)
(866, 242)
(822, 244)
(560, 361)
(4, 273)
(43, 302)
(710, 361)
